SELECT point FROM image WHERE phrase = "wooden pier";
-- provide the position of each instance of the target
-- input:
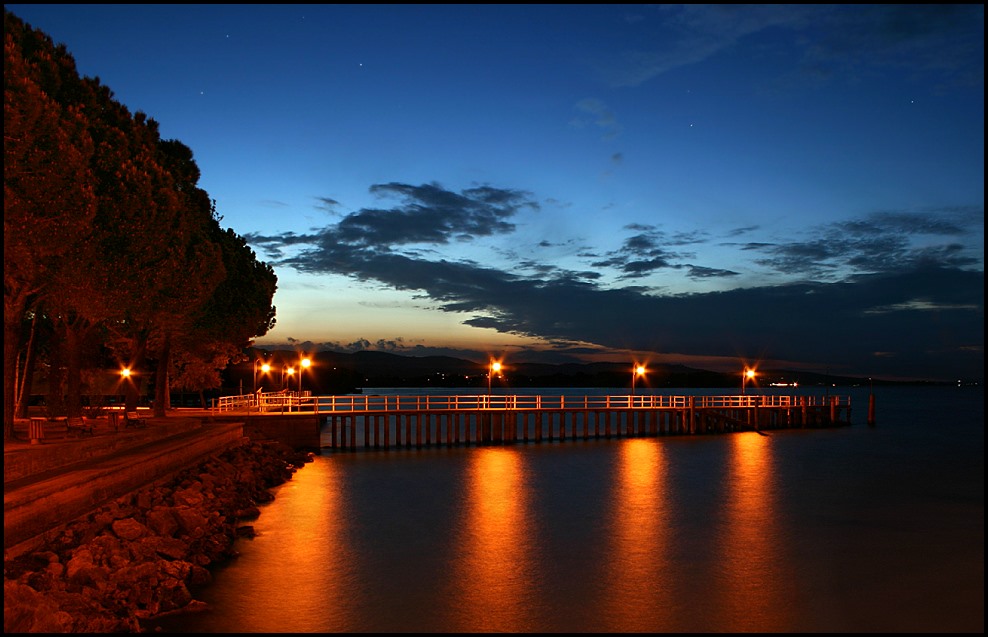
(402, 422)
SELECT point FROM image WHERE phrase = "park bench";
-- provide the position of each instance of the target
(78, 425)
(131, 419)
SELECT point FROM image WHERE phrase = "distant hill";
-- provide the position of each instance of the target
(339, 373)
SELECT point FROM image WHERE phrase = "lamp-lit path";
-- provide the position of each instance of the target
(56, 481)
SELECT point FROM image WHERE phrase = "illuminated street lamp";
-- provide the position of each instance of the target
(636, 371)
(304, 364)
(289, 371)
(265, 368)
(495, 369)
(748, 374)
(130, 389)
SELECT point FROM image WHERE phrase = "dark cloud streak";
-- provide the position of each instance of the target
(431, 214)
(870, 302)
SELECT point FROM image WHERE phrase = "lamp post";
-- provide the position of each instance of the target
(265, 368)
(748, 374)
(287, 384)
(303, 365)
(495, 368)
(636, 371)
(130, 389)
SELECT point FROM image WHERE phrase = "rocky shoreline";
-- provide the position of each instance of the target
(135, 559)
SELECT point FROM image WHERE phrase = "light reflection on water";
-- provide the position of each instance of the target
(304, 561)
(870, 529)
(636, 591)
(492, 549)
(754, 596)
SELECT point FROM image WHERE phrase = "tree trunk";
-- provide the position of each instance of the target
(26, 376)
(73, 359)
(12, 318)
(55, 399)
(162, 396)
(132, 386)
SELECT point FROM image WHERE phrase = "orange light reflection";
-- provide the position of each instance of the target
(313, 560)
(755, 591)
(494, 583)
(636, 577)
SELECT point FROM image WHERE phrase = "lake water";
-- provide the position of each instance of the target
(850, 529)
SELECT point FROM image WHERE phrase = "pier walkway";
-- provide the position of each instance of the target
(352, 422)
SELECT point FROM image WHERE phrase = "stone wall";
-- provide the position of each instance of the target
(136, 557)
(39, 502)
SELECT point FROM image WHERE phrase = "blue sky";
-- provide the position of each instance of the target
(717, 185)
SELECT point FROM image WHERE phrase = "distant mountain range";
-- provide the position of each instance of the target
(338, 373)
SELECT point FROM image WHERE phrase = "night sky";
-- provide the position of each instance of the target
(720, 185)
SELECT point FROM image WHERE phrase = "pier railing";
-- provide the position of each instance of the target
(294, 401)
(368, 421)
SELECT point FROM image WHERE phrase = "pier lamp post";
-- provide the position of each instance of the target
(288, 371)
(303, 365)
(749, 374)
(636, 371)
(495, 369)
(264, 367)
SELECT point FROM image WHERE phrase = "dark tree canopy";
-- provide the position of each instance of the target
(108, 235)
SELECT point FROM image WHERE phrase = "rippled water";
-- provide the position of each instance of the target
(850, 529)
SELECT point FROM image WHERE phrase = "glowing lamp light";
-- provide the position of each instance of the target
(264, 367)
(636, 371)
(303, 365)
(747, 375)
(495, 369)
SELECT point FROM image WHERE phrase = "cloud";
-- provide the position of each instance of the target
(694, 33)
(644, 252)
(942, 40)
(431, 214)
(892, 293)
(881, 242)
(701, 272)
(847, 40)
(328, 205)
(594, 112)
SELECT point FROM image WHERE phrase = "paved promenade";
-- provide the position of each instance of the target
(61, 479)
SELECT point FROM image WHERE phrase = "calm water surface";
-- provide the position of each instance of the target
(873, 529)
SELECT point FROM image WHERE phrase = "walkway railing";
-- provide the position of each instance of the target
(293, 402)
(371, 421)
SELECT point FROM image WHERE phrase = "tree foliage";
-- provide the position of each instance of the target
(109, 237)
